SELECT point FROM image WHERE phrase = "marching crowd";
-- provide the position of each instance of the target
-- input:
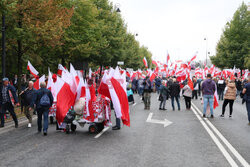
(39, 101)
(169, 88)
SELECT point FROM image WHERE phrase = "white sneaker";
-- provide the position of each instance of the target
(29, 125)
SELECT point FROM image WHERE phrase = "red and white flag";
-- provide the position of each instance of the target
(38, 81)
(193, 58)
(168, 58)
(145, 62)
(32, 70)
(81, 89)
(65, 99)
(216, 101)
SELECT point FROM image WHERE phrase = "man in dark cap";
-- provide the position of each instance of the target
(8, 99)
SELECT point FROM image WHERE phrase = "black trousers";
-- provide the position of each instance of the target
(8, 106)
(231, 103)
(188, 102)
(194, 94)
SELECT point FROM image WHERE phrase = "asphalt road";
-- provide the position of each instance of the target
(185, 142)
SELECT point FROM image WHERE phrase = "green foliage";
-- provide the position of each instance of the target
(233, 46)
(64, 31)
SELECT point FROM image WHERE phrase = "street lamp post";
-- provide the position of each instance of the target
(205, 39)
(3, 46)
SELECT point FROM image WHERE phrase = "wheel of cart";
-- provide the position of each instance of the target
(93, 128)
(96, 127)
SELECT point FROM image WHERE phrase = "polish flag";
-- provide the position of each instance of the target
(73, 72)
(168, 58)
(190, 82)
(81, 89)
(119, 88)
(155, 63)
(216, 101)
(50, 83)
(38, 81)
(60, 69)
(193, 58)
(65, 99)
(104, 88)
(113, 85)
(145, 62)
(32, 70)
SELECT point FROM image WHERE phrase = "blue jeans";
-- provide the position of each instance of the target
(248, 109)
(140, 91)
(208, 99)
(42, 112)
(177, 100)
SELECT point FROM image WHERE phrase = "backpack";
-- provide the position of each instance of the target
(45, 100)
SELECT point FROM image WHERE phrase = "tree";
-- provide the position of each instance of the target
(233, 46)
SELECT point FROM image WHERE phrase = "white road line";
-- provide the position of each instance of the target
(225, 141)
(216, 141)
(99, 134)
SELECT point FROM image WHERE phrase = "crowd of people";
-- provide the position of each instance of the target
(41, 100)
(31, 99)
(169, 88)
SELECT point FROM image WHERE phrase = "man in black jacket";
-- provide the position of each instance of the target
(27, 97)
(43, 100)
(8, 99)
(174, 89)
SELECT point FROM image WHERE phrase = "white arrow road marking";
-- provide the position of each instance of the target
(165, 122)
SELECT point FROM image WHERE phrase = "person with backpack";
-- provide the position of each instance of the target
(42, 100)
(27, 97)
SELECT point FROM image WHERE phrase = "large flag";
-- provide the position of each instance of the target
(113, 85)
(65, 99)
(38, 81)
(32, 70)
(145, 62)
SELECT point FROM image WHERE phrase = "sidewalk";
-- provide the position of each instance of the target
(10, 125)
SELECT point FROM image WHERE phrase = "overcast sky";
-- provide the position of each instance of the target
(178, 26)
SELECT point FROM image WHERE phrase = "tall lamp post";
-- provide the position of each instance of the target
(3, 46)
(205, 39)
